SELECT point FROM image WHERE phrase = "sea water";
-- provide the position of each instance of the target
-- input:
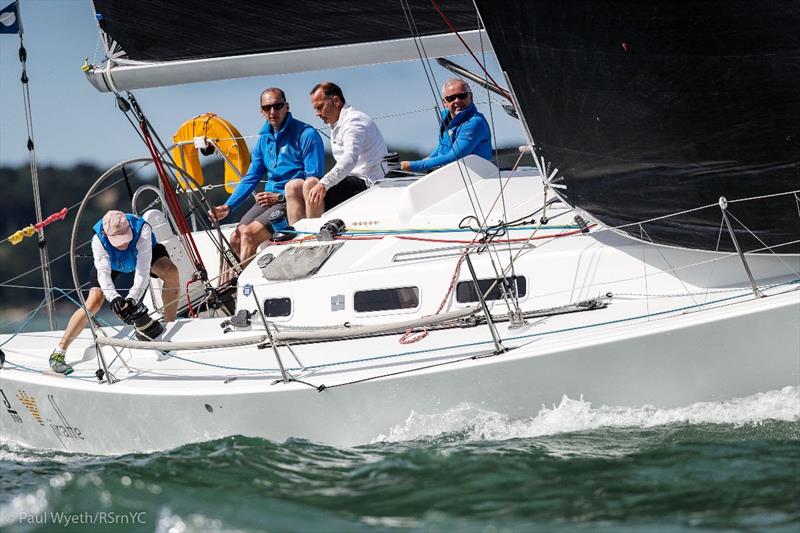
(570, 467)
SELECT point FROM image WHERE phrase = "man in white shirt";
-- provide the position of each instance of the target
(357, 146)
(122, 243)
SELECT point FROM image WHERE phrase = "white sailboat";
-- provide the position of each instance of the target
(527, 305)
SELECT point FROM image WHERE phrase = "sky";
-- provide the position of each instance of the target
(73, 122)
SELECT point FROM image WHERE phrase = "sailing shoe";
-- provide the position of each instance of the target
(57, 363)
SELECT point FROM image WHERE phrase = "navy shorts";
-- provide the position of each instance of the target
(344, 190)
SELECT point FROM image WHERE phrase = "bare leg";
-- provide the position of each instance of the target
(295, 203)
(236, 246)
(166, 270)
(78, 320)
(252, 236)
(312, 211)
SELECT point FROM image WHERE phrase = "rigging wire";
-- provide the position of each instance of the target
(515, 294)
(37, 200)
(468, 185)
(793, 271)
(426, 65)
(664, 258)
(455, 31)
(193, 203)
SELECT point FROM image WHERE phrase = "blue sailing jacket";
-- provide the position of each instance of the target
(123, 260)
(467, 133)
(294, 151)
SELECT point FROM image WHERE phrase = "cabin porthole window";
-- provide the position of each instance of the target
(277, 307)
(465, 290)
(386, 299)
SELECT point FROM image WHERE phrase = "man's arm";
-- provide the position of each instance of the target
(250, 180)
(144, 249)
(313, 151)
(102, 264)
(436, 148)
(406, 165)
(352, 138)
(469, 136)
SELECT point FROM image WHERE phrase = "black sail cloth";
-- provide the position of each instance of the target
(652, 108)
(155, 30)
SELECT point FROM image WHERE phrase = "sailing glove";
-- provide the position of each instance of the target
(117, 304)
(122, 307)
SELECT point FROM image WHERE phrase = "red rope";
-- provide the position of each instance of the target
(410, 336)
(407, 337)
(172, 200)
(188, 298)
(452, 241)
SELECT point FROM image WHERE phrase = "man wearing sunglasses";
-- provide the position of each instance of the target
(357, 146)
(463, 130)
(287, 151)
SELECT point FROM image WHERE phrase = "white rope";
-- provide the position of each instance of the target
(185, 345)
(341, 332)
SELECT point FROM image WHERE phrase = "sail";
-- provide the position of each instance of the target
(652, 108)
(154, 43)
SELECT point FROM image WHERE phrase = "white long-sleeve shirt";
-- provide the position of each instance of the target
(358, 148)
(102, 263)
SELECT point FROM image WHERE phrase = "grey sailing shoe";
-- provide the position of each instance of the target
(57, 363)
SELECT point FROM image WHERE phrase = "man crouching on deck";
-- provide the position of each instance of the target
(121, 243)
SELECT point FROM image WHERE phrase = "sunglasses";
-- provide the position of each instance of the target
(266, 108)
(458, 96)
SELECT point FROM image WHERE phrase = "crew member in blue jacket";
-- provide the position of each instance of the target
(463, 130)
(287, 149)
(122, 243)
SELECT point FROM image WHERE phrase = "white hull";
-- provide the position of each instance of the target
(698, 334)
(666, 363)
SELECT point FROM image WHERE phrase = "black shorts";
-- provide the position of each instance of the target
(262, 214)
(159, 251)
(344, 190)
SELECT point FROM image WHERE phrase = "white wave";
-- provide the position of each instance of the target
(12, 451)
(579, 415)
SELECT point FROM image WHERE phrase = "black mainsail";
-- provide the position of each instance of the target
(652, 108)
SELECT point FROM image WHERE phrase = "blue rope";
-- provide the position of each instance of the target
(32, 315)
(77, 304)
(28, 321)
(417, 231)
(86, 377)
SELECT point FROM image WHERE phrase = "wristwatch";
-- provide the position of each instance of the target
(281, 198)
